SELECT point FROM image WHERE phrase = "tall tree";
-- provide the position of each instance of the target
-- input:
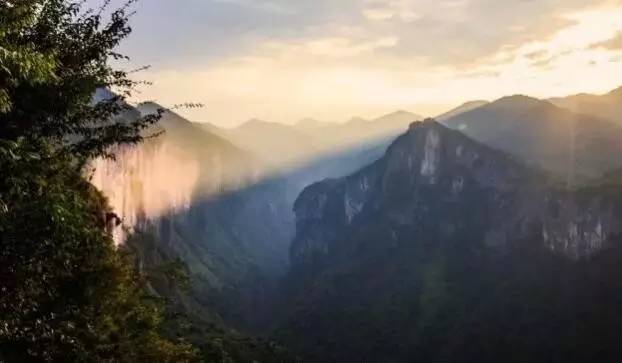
(66, 292)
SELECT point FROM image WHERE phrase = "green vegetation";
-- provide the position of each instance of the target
(67, 294)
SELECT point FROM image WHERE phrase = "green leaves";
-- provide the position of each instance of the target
(66, 292)
(54, 55)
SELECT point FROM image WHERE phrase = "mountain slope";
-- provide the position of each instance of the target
(465, 107)
(358, 131)
(287, 147)
(276, 143)
(448, 250)
(572, 145)
(607, 106)
(188, 194)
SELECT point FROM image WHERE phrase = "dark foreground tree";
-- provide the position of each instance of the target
(66, 293)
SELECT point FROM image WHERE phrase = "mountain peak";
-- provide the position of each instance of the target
(465, 107)
(517, 101)
(255, 122)
(148, 108)
(399, 115)
(103, 95)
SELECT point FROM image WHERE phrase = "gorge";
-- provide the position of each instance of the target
(403, 241)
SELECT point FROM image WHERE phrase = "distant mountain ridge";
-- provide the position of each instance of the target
(607, 106)
(465, 107)
(290, 145)
(575, 146)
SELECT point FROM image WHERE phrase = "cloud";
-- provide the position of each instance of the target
(448, 4)
(390, 10)
(538, 54)
(376, 14)
(546, 63)
(333, 47)
(295, 58)
(614, 43)
(262, 5)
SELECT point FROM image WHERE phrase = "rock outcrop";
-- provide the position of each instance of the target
(192, 196)
(436, 176)
(446, 250)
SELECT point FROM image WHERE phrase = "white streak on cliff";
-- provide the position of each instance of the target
(431, 156)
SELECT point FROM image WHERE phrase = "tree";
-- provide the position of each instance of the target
(66, 292)
(54, 55)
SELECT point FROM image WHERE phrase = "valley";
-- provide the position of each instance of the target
(364, 231)
(280, 181)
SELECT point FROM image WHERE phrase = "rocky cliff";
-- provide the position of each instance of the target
(432, 174)
(448, 250)
(192, 196)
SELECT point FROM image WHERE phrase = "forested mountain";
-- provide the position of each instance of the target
(574, 146)
(607, 106)
(192, 196)
(228, 218)
(130, 234)
(448, 250)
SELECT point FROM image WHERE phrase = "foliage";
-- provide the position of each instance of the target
(66, 292)
(53, 56)
(195, 318)
(218, 344)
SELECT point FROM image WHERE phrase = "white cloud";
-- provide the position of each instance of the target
(390, 10)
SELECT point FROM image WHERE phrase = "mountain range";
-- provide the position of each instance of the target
(191, 195)
(607, 106)
(387, 239)
(448, 250)
(575, 146)
(288, 146)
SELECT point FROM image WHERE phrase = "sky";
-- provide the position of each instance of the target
(284, 60)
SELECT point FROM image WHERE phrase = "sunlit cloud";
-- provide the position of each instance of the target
(333, 47)
(614, 43)
(402, 10)
(373, 57)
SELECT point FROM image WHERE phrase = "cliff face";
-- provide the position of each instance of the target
(432, 175)
(147, 182)
(190, 195)
(447, 250)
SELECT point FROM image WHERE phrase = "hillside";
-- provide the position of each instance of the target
(465, 107)
(288, 147)
(574, 146)
(191, 195)
(607, 106)
(448, 250)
